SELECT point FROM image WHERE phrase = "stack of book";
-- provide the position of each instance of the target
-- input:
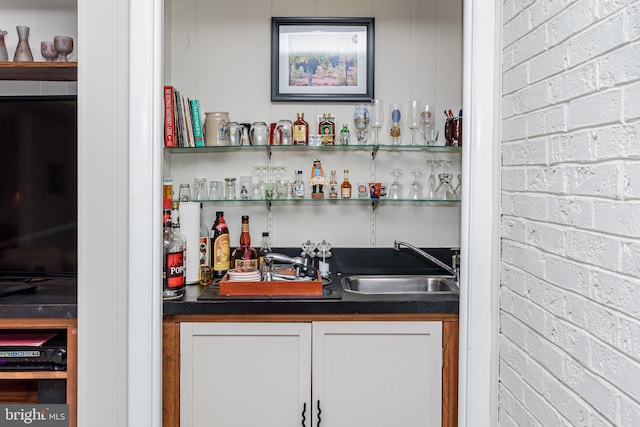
(182, 120)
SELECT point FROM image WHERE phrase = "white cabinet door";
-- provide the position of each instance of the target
(373, 374)
(245, 374)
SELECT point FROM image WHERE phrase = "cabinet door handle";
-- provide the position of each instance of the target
(319, 412)
(304, 414)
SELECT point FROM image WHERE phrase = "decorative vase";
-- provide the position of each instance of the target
(23, 50)
(4, 56)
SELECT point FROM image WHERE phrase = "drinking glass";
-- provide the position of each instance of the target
(413, 118)
(431, 181)
(428, 126)
(215, 190)
(257, 191)
(361, 119)
(395, 189)
(445, 190)
(394, 132)
(184, 193)
(415, 189)
(200, 191)
(230, 188)
(458, 190)
(377, 116)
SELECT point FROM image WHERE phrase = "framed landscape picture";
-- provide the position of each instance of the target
(322, 59)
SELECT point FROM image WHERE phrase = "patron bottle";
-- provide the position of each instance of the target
(245, 257)
(345, 188)
(173, 248)
(300, 131)
(220, 248)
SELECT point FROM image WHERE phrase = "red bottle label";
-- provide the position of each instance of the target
(175, 270)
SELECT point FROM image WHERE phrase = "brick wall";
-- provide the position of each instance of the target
(569, 338)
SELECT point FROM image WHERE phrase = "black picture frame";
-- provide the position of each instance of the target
(322, 59)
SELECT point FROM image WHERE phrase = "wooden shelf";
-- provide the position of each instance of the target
(33, 375)
(42, 71)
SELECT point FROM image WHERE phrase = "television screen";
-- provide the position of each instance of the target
(38, 194)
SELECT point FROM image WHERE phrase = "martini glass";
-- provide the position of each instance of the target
(395, 189)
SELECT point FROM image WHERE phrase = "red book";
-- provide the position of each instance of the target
(169, 117)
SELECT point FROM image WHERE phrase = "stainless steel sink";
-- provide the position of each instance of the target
(400, 284)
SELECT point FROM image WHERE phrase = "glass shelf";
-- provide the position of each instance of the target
(362, 201)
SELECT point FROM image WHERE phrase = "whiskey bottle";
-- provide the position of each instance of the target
(220, 248)
(333, 186)
(300, 131)
(173, 261)
(345, 187)
(245, 257)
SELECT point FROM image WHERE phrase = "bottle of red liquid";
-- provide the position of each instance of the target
(220, 248)
(300, 131)
(245, 257)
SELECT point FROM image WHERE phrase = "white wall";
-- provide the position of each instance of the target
(220, 52)
(570, 287)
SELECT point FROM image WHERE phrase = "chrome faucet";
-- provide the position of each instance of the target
(454, 270)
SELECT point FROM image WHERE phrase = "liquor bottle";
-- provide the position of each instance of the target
(220, 248)
(175, 221)
(245, 257)
(327, 130)
(345, 188)
(298, 186)
(345, 135)
(204, 240)
(173, 261)
(300, 131)
(333, 186)
(265, 248)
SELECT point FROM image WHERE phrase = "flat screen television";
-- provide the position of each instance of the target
(38, 190)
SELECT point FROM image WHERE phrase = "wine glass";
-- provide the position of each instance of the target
(413, 118)
(377, 116)
(431, 182)
(394, 132)
(428, 126)
(64, 46)
(415, 189)
(445, 190)
(361, 120)
(281, 184)
(395, 189)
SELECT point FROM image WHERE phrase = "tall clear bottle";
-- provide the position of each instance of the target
(265, 248)
(298, 186)
(245, 257)
(173, 261)
(204, 240)
(220, 247)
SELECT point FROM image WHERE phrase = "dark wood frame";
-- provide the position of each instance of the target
(279, 95)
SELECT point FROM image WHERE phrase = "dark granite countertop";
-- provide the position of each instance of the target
(344, 262)
(52, 298)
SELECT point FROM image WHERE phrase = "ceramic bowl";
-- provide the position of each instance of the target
(48, 50)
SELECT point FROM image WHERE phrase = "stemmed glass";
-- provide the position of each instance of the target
(281, 184)
(431, 181)
(361, 119)
(415, 189)
(458, 190)
(377, 116)
(395, 132)
(413, 118)
(395, 189)
(445, 190)
(257, 191)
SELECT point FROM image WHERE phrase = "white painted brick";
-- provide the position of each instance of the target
(568, 275)
(569, 338)
(512, 329)
(605, 324)
(594, 390)
(598, 39)
(504, 419)
(630, 337)
(620, 66)
(544, 353)
(608, 7)
(630, 258)
(512, 228)
(592, 248)
(593, 180)
(617, 217)
(514, 79)
(516, 27)
(513, 179)
(547, 237)
(531, 98)
(530, 45)
(571, 211)
(522, 415)
(634, 24)
(602, 108)
(546, 121)
(549, 63)
(512, 355)
(525, 311)
(507, 58)
(548, 297)
(574, 83)
(530, 206)
(618, 292)
(617, 368)
(577, 309)
(509, 10)
(632, 103)
(629, 412)
(546, 179)
(508, 107)
(542, 11)
(514, 128)
(618, 141)
(578, 15)
(513, 280)
(510, 379)
(631, 184)
(544, 412)
(528, 152)
(570, 147)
